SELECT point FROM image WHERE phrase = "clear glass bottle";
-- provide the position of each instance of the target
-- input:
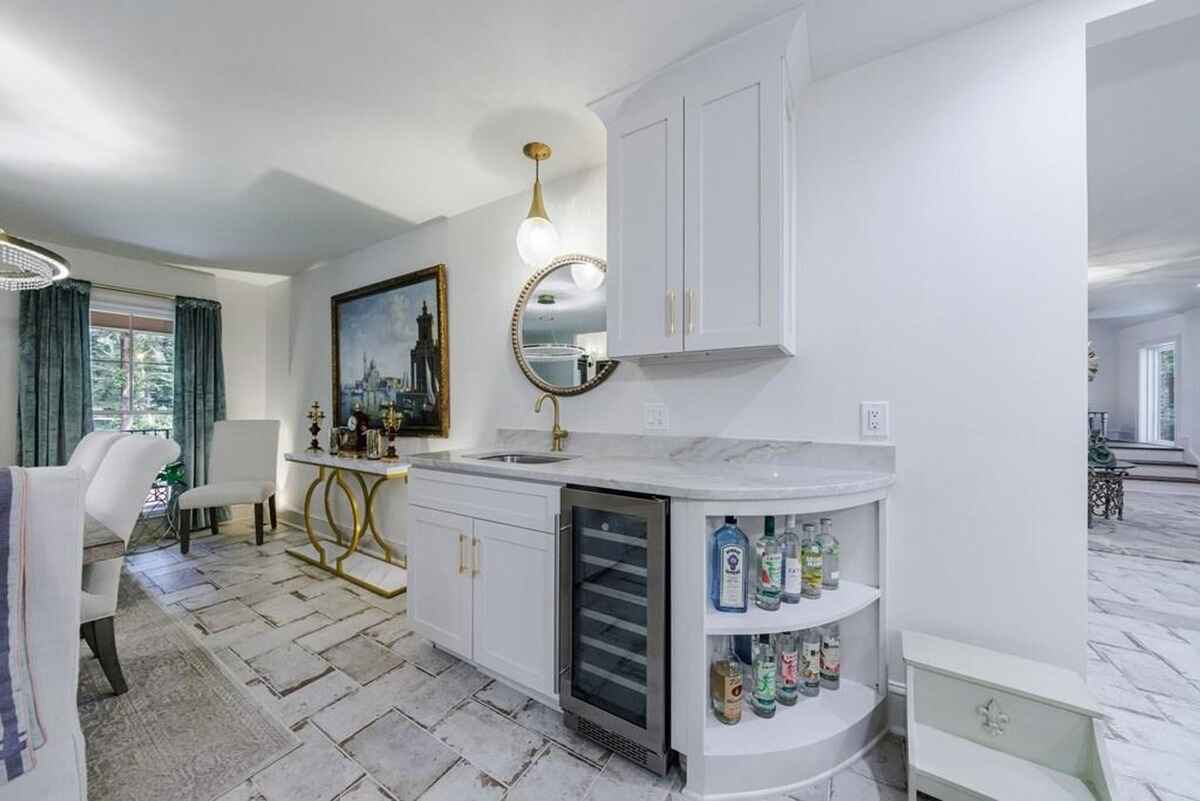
(725, 678)
(831, 657)
(831, 551)
(811, 562)
(762, 700)
(792, 574)
(787, 673)
(727, 571)
(810, 662)
(770, 569)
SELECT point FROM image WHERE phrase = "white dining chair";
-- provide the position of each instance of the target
(241, 470)
(91, 450)
(114, 500)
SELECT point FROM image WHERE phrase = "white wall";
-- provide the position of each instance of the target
(243, 322)
(1102, 391)
(943, 267)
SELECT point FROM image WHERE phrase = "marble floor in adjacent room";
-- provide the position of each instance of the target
(1144, 642)
(380, 714)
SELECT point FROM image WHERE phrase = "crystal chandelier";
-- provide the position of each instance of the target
(24, 265)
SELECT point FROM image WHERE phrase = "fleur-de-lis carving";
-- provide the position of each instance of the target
(992, 717)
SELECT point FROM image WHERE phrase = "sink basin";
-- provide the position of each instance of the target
(523, 458)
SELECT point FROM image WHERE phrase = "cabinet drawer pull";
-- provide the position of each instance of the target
(462, 568)
(671, 312)
(688, 311)
(475, 557)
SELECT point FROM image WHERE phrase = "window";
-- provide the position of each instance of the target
(133, 370)
(1156, 396)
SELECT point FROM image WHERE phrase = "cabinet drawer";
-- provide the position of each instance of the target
(516, 503)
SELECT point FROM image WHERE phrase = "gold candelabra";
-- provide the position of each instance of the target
(391, 427)
(316, 415)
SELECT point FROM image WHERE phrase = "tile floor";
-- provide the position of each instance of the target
(1144, 643)
(382, 715)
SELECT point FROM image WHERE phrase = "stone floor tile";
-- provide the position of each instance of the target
(344, 718)
(216, 596)
(545, 721)
(621, 780)
(225, 615)
(427, 700)
(259, 644)
(1182, 713)
(289, 667)
(340, 631)
(1165, 735)
(556, 776)
(500, 696)
(366, 790)
(1149, 673)
(319, 586)
(389, 630)
(400, 755)
(464, 783)
(850, 786)
(338, 604)
(283, 608)
(243, 792)
(187, 592)
(239, 633)
(177, 579)
(420, 652)
(361, 659)
(235, 665)
(1183, 657)
(316, 771)
(1171, 772)
(315, 696)
(886, 763)
(489, 741)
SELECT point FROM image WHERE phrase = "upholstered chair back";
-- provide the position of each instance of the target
(244, 450)
(123, 480)
(91, 450)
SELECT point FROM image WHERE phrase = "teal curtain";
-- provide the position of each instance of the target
(199, 390)
(54, 373)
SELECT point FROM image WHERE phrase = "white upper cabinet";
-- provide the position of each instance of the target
(699, 205)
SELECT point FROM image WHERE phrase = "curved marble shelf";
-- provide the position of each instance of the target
(833, 605)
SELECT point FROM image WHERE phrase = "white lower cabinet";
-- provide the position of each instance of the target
(485, 591)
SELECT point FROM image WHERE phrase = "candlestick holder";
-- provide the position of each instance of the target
(391, 427)
(316, 415)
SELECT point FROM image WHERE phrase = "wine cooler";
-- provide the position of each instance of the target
(613, 621)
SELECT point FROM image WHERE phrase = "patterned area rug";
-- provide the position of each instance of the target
(185, 731)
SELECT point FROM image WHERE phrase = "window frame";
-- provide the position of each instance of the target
(134, 322)
(1151, 388)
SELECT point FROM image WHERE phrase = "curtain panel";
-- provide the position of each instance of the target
(54, 373)
(199, 390)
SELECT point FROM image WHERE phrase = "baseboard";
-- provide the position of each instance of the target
(897, 706)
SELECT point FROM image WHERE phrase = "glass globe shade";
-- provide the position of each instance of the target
(587, 276)
(537, 241)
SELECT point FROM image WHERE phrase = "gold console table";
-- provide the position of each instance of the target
(386, 576)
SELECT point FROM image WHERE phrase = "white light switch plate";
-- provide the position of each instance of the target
(875, 420)
(655, 417)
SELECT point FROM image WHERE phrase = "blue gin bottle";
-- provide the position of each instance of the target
(728, 576)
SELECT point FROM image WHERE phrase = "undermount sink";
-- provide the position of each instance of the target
(523, 458)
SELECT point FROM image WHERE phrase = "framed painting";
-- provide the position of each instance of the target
(390, 348)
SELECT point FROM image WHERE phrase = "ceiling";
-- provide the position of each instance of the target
(1144, 173)
(272, 135)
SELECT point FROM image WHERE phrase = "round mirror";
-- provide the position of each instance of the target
(559, 328)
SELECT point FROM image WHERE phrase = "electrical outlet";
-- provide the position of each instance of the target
(874, 420)
(655, 417)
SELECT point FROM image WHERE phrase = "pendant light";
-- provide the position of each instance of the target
(24, 265)
(537, 239)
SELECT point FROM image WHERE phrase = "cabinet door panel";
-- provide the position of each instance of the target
(439, 577)
(732, 172)
(645, 247)
(514, 625)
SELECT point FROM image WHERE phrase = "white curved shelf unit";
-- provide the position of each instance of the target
(833, 605)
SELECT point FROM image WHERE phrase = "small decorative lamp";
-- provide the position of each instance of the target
(316, 415)
(537, 239)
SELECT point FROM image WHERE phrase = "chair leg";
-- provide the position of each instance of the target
(258, 524)
(271, 507)
(212, 520)
(183, 525)
(88, 632)
(107, 643)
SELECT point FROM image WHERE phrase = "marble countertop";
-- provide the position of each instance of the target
(377, 467)
(699, 480)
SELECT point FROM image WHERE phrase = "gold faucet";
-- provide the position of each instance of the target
(559, 433)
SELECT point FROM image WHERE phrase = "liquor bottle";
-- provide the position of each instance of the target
(792, 575)
(762, 700)
(810, 563)
(770, 569)
(727, 585)
(725, 677)
(831, 551)
(810, 662)
(831, 657)
(787, 674)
